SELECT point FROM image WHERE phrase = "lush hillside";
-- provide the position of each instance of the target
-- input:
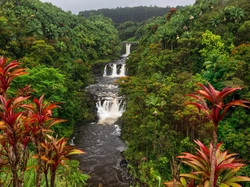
(207, 42)
(42, 98)
(58, 49)
(134, 14)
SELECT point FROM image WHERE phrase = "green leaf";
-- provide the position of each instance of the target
(230, 173)
(75, 151)
(237, 179)
(190, 176)
(235, 185)
(223, 185)
(183, 181)
(206, 184)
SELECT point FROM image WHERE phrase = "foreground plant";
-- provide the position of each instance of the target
(40, 121)
(23, 123)
(55, 153)
(211, 102)
(14, 136)
(226, 168)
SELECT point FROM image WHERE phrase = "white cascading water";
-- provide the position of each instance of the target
(127, 49)
(117, 69)
(114, 70)
(123, 70)
(109, 109)
(105, 71)
(109, 105)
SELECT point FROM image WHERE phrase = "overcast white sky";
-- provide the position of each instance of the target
(79, 5)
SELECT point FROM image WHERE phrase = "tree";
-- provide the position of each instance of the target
(44, 80)
(242, 35)
(234, 14)
(167, 37)
(212, 44)
(215, 21)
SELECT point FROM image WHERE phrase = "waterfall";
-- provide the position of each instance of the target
(116, 69)
(109, 105)
(127, 50)
(110, 108)
(123, 70)
(105, 71)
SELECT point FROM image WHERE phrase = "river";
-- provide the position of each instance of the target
(101, 139)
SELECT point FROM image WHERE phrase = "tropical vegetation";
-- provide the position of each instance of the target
(203, 44)
(26, 133)
(200, 49)
(58, 49)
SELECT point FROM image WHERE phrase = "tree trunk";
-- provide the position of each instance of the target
(14, 177)
(175, 171)
(24, 160)
(39, 160)
(46, 179)
(14, 156)
(39, 166)
(213, 159)
(172, 45)
(52, 178)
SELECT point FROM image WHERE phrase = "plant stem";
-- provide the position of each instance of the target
(212, 171)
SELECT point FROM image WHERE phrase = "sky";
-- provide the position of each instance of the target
(80, 5)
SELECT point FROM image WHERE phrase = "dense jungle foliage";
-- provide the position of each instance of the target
(59, 49)
(206, 42)
(122, 14)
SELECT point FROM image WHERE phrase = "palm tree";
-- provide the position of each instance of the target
(215, 21)
(212, 61)
(237, 14)
(167, 36)
(61, 46)
(162, 34)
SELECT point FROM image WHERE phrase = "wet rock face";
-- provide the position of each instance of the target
(98, 68)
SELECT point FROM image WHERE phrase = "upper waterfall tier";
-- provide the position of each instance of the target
(115, 69)
(127, 50)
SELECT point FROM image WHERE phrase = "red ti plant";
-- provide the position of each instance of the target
(226, 168)
(55, 153)
(14, 138)
(211, 102)
(21, 124)
(8, 72)
(42, 121)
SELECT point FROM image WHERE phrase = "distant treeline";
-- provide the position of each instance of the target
(135, 14)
